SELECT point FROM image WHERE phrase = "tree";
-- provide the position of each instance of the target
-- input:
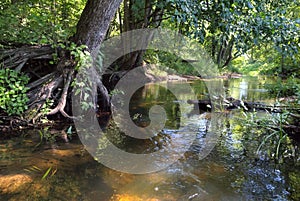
(132, 15)
(94, 22)
(91, 32)
(49, 85)
(226, 29)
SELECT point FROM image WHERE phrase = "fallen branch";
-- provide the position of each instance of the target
(17, 58)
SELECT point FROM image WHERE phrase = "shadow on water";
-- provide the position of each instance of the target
(231, 171)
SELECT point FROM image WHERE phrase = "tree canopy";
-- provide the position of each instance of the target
(227, 29)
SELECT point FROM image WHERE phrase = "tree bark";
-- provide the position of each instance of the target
(91, 30)
(94, 22)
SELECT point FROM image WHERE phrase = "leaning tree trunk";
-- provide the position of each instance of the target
(50, 84)
(91, 30)
(94, 22)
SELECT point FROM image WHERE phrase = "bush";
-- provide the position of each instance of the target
(284, 88)
(13, 98)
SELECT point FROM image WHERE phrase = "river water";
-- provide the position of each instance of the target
(220, 163)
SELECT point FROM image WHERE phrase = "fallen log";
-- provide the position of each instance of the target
(202, 105)
(231, 104)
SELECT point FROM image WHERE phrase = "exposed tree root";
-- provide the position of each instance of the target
(39, 96)
(63, 99)
(49, 85)
(46, 81)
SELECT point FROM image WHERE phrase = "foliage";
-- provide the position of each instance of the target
(271, 61)
(283, 88)
(13, 98)
(82, 83)
(250, 67)
(170, 63)
(223, 27)
(227, 31)
(89, 72)
(45, 109)
(275, 142)
(77, 53)
(38, 21)
(47, 136)
(280, 51)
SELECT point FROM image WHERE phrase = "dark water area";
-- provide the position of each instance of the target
(220, 164)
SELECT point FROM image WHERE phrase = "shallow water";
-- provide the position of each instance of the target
(230, 171)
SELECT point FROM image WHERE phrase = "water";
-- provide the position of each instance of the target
(230, 171)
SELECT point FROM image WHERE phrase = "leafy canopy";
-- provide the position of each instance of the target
(38, 21)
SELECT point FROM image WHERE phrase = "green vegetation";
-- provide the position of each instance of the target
(45, 58)
(13, 98)
(224, 28)
(266, 43)
(272, 132)
(284, 88)
(38, 21)
(170, 63)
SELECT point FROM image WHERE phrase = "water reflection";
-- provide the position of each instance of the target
(230, 172)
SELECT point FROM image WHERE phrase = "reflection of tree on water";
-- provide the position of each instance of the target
(140, 105)
(145, 98)
(243, 90)
(226, 87)
(247, 88)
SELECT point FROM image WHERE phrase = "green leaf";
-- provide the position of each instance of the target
(46, 173)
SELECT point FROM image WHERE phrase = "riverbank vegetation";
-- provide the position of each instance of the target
(43, 42)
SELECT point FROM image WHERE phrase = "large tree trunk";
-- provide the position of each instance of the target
(49, 83)
(91, 30)
(94, 22)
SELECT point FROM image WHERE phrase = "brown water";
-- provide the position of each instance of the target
(231, 171)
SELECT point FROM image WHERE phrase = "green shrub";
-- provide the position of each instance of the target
(283, 88)
(13, 98)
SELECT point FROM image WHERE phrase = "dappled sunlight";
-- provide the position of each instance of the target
(129, 197)
(148, 100)
(14, 183)
(117, 179)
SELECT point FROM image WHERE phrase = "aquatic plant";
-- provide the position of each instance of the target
(271, 130)
(50, 172)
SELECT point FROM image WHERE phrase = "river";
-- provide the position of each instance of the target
(220, 163)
